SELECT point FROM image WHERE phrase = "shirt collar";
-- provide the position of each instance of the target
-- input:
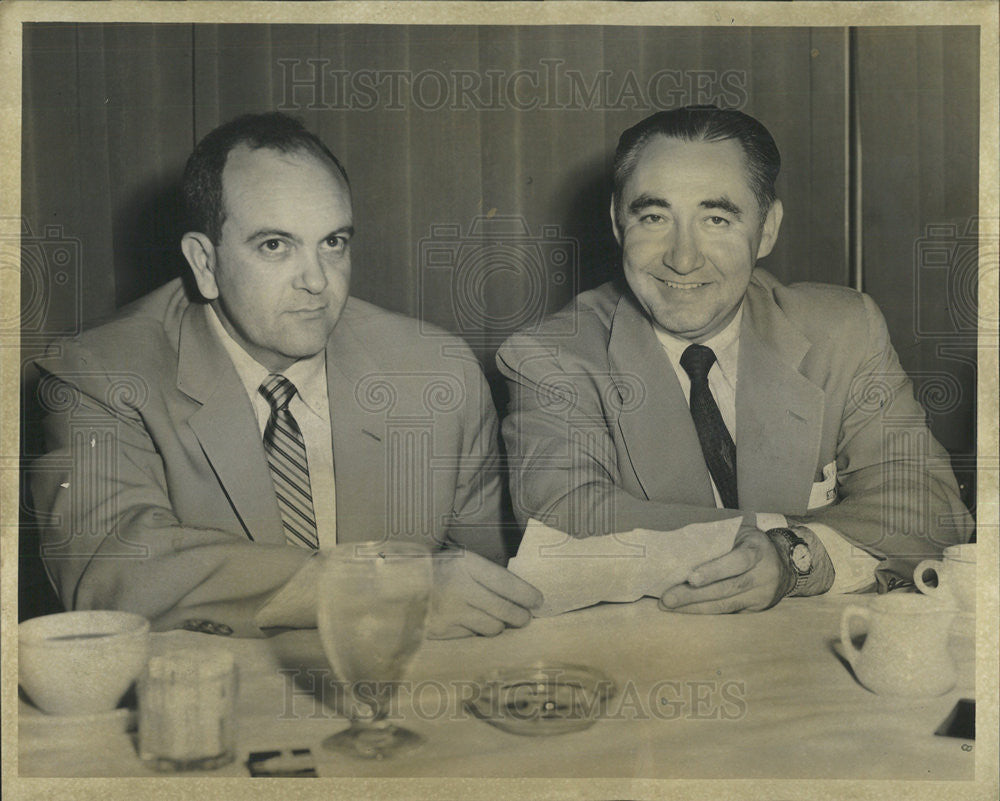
(725, 344)
(308, 375)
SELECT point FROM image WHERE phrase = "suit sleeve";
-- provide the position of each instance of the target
(562, 460)
(898, 498)
(476, 515)
(110, 539)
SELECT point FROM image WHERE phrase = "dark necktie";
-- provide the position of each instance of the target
(286, 456)
(717, 445)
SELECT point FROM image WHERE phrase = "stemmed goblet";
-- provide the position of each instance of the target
(372, 606)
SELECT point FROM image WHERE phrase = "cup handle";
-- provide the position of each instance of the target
(850, 612)
(918, 575)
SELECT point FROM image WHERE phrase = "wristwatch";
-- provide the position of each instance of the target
(795, 551)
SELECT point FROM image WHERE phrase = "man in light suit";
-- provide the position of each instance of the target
(700, 388)
(202, 451)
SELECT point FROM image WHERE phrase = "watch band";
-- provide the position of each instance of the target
(786, 541)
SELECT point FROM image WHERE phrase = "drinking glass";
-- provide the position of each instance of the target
(372, 606)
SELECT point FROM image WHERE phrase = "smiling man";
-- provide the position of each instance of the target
(203, 447)
(700, 388)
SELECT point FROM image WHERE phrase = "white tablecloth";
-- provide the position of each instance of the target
(736, 696)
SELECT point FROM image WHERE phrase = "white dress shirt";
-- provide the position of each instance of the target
(311, 409)
(854, 568)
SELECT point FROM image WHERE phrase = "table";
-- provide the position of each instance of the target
(734, 696)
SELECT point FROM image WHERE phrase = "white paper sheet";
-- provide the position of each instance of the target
(573, 573)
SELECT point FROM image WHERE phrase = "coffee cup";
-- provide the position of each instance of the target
(956, 577)
(905, 652)
(81, 663)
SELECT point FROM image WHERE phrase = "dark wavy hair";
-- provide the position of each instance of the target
(202, 183)
(708, 124)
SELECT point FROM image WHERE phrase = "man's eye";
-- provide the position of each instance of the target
(651, 218)
(336, 242)
(718, 221)
(273, 246)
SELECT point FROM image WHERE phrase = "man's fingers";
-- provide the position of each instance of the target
(502, 582)
(736, 562)
(478, 596)
(722, 606)
(683, 595)
(498, 607)
(451, 631)
(745, 578)
(478, 622)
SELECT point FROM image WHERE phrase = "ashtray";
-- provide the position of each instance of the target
(543, 698)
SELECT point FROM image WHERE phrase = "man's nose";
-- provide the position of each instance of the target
(312, 276)
(682, 254)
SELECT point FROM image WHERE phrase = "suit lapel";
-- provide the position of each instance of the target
(655, 421)
(779, 412)
(359, 454)
(226, 427)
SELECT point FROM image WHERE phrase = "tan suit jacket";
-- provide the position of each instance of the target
(155, 483)
(600, 437)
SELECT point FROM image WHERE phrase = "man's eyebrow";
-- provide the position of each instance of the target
(644, 201)
(271, 233)
(344, 229)
(723, 203)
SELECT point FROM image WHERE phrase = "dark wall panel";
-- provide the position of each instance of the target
(919, 94)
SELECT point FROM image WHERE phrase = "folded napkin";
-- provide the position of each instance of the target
(573, 573)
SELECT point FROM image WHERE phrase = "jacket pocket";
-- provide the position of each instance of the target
(824, 492)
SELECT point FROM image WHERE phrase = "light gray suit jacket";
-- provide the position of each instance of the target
(156, 489)
(600, 437)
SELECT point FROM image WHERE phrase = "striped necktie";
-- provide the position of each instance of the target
(286, 456)
(717, 444)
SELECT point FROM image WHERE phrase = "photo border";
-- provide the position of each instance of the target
(983, 14)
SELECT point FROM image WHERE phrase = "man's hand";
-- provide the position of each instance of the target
(473, 595)
(745, 579)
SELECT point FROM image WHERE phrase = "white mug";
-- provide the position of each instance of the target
(906, 650)
(956, 577)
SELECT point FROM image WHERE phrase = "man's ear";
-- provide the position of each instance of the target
(769, 231)
(200, 254)
(614, 222)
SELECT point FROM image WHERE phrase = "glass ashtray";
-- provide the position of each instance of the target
(543, 698)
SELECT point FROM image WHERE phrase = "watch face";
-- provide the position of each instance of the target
(801, 558)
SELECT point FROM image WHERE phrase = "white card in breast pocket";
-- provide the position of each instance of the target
(824, 492)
